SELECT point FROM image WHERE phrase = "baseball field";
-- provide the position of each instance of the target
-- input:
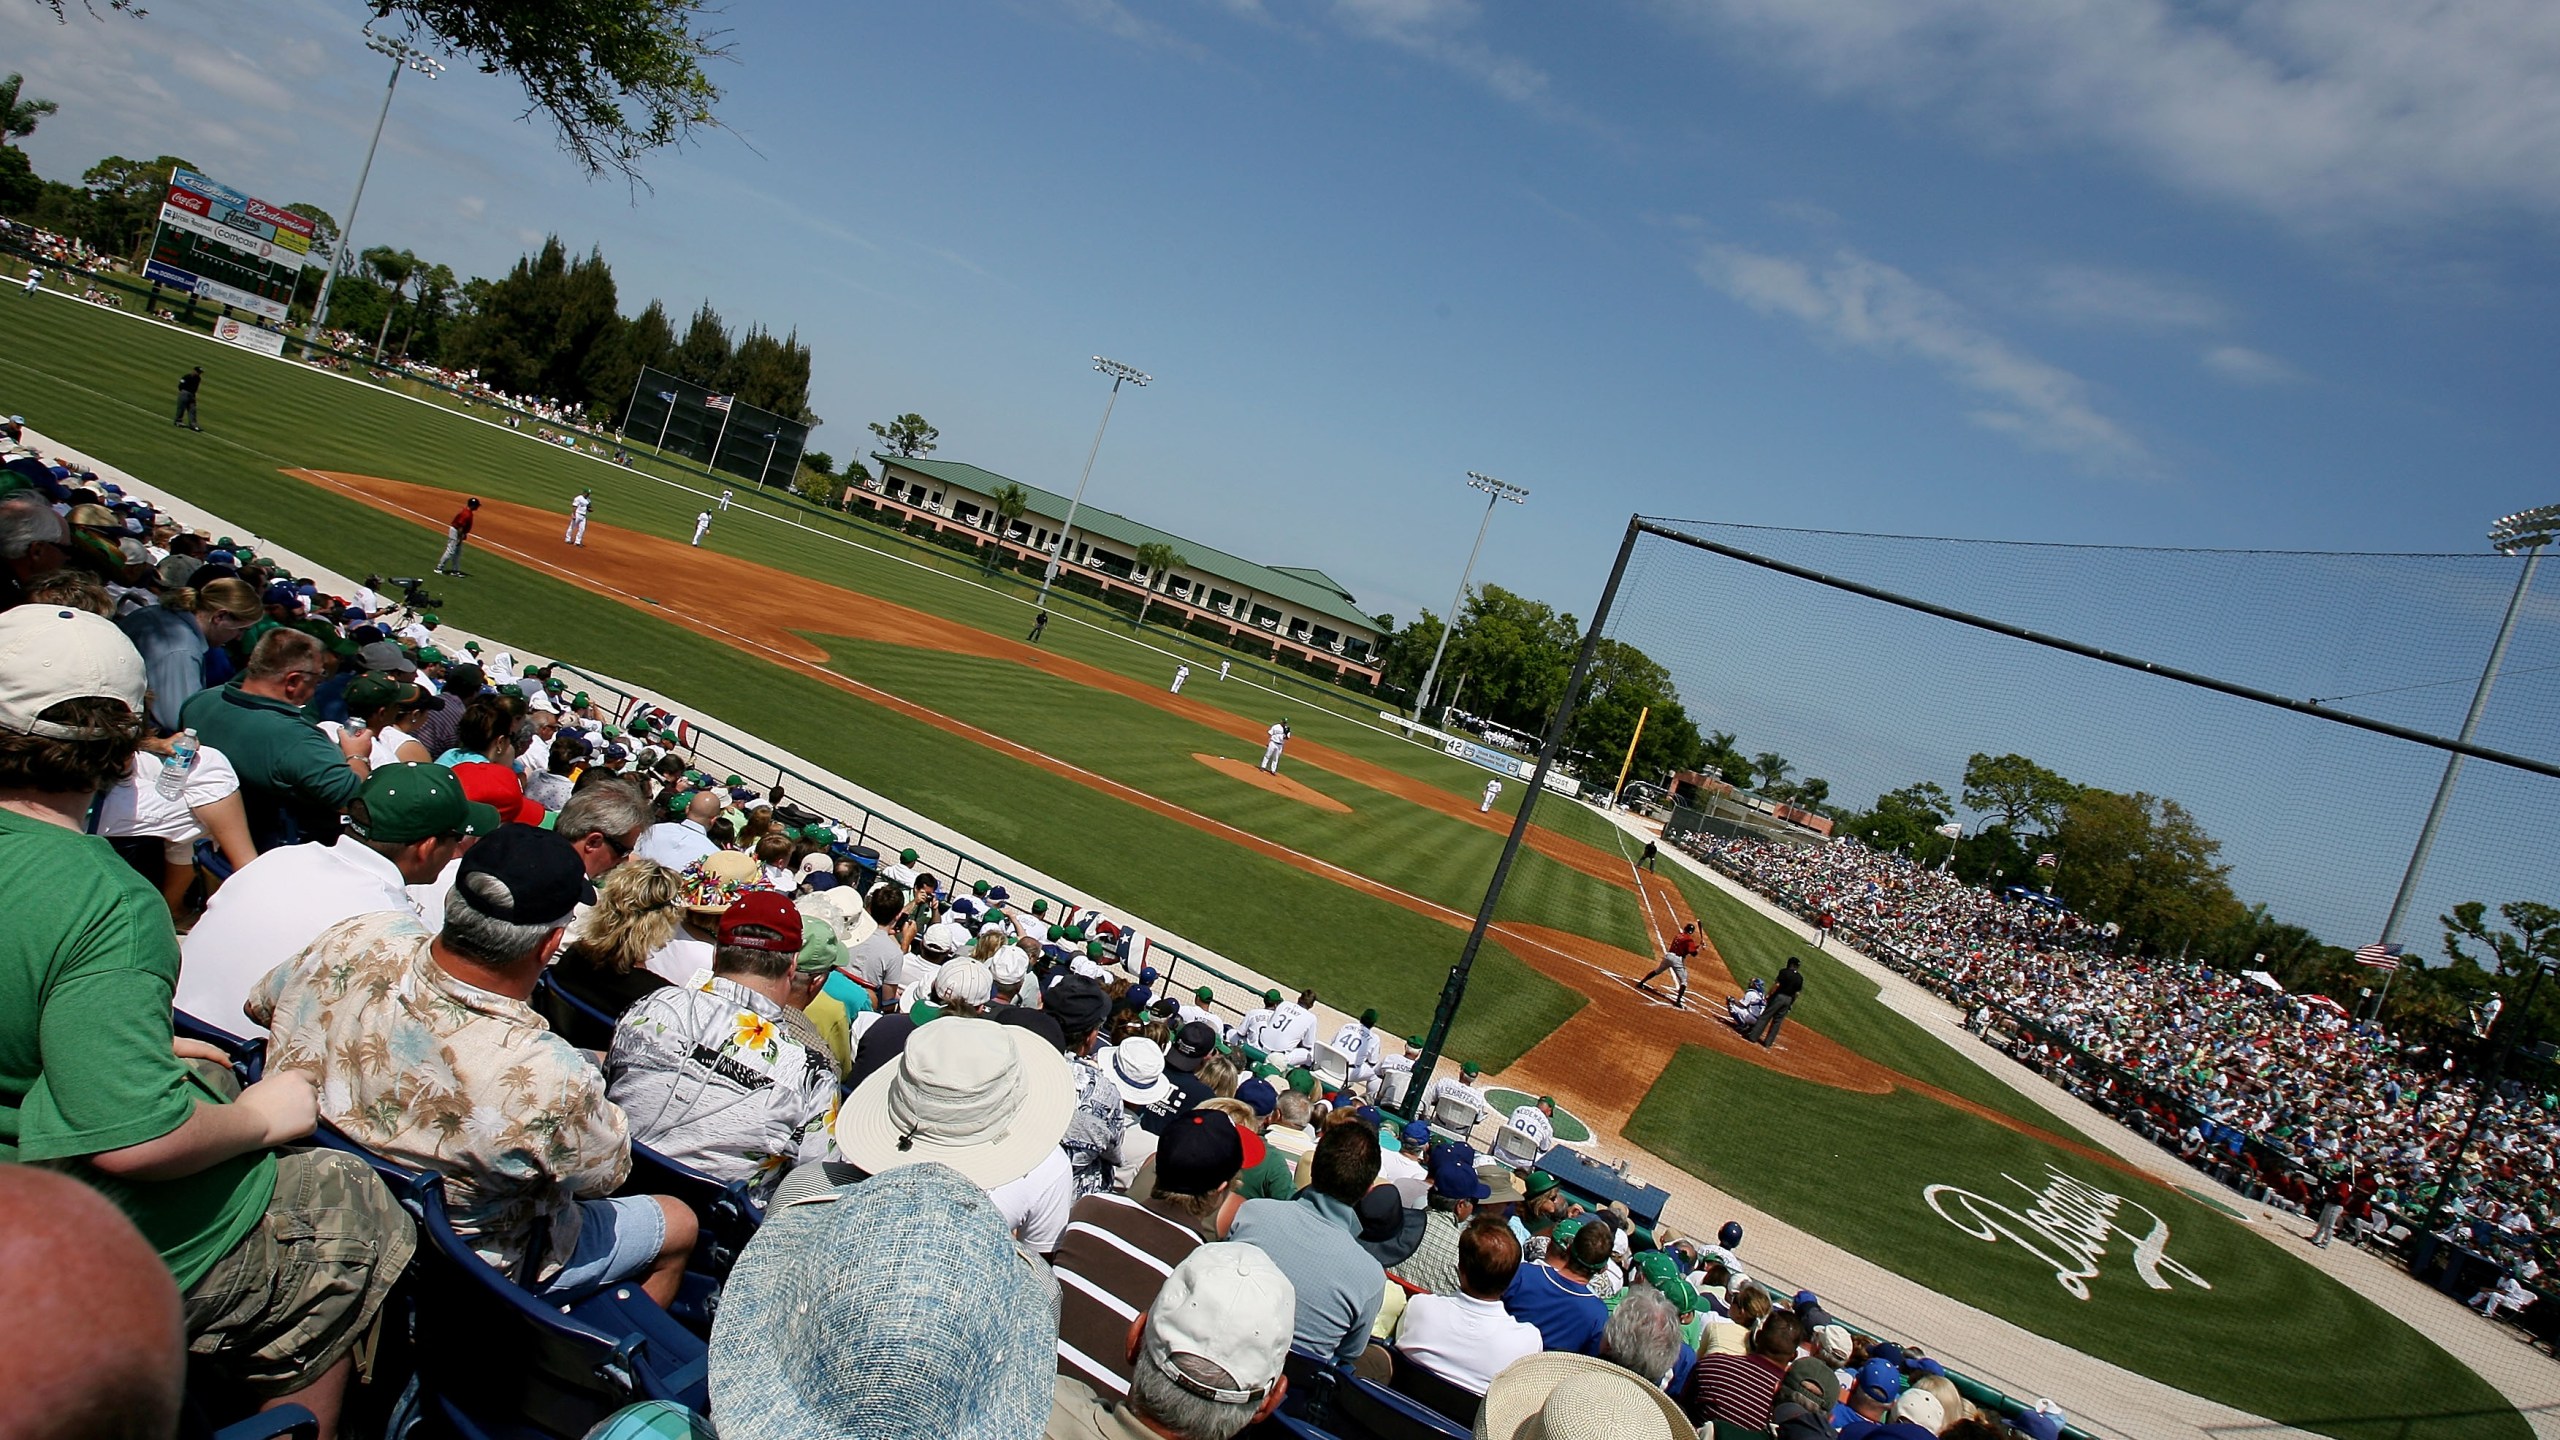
(1356, 876)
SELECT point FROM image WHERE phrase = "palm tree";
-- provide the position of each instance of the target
(1773, 769)
(1011, 500)
(1159, 560)
(393, 268)
(18, 118)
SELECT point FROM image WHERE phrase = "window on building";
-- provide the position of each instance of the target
(1298, 630)
(1329, 639)
(965, 513)
(1222, 602)
(1266, 617)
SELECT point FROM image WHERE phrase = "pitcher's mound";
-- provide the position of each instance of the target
(1276, 784)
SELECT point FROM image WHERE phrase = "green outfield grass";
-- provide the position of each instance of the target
(96, 390)
(2274, 1336)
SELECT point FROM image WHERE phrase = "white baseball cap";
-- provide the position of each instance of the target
(1229, 1306)
(1922, 1409)
(49, 654)
(1009, 964)
(964, 982)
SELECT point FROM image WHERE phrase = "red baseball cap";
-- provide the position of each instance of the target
(496, 786)
(767, 909)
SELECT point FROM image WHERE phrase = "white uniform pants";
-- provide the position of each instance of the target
(1271, 756)
(577, 530)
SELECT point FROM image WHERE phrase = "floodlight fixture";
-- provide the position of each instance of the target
(1495, 492)
(403, 56)
(2526, 529)
(1120, 374)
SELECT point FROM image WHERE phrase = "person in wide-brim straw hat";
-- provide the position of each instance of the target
(1562, 1395)
(990, 1101)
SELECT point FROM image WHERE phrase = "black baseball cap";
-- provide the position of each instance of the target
(541, 871)
(1191, 1045)
(1077, 1002)
(1199, 1152)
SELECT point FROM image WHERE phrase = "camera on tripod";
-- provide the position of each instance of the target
(413, 590)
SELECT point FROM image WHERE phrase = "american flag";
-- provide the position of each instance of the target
(2047, 860)
(717, 402)
(2379, 956)
(667, 395)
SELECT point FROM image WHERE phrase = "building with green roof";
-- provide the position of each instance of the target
(1300, 611)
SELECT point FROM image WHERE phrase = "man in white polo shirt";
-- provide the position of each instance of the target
(403, 826)
(1467, 1338)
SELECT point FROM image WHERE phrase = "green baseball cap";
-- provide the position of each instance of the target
(613, 732)
(1563, 1233)
(1470, 1070)
(1039, 907)
(821, 949)
(373, 691)
(1657, 1268)
(1204, 994)
(1303, 1081)
(979, 889)
(1369, 1017)
(430, 620)
(1414, 1040)
(579, 700)
(1055, 933)
(1270, 997)
(1682, 1295)
(430, 655)
(1264, 1070)
(1540, 1182)
(1095, 949)
(905, 857)
(554, 684)
(227, 543)
(471, 645)
(404, 803)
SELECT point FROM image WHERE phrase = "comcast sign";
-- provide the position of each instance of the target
(2071, 1226)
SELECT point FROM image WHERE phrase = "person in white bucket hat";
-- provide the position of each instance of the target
(1564, 1395)
(990, 1101)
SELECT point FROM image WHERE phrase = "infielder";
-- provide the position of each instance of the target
(35, 279)
(701, 526)
(578, 509)
(1676, 960)
(1271, 751)
(1492, 792)
(724, 501)
(1222, 669)
(1180, 674)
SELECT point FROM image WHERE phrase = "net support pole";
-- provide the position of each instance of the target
(2453, 771)
(1454, 990)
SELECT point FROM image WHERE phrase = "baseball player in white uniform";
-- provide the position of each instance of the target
(1271, 751)
(578, 509)
(1288, 1038)
(35, 279)
(701, 526)
(724, 500)
(1358, 1041)
(1460, 1087)
(1537, 1121)
(1180, 674)
(1492, 792)
(1249, 1026)
(1395, 1072)
(1222, 669)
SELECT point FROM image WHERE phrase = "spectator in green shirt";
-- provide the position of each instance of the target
(284, 1258)
(294, 780)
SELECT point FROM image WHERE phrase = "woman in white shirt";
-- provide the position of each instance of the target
(206, 806)
(386, 704)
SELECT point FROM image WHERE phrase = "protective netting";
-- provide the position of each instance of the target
(2315, 819)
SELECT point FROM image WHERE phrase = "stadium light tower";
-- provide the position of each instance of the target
(1118, 373)
(1495, 491)
(404, 56)
(2526, 532)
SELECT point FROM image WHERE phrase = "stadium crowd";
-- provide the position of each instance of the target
(444, 916)
(2282, 1094)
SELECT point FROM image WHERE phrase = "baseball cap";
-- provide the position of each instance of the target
(1303, 1081)
(1204, 994)
(544, 877)
(1453, 1173)
(1888, 1351)
(905, 857)
(280, 593)
(1417, 1132)
(496, 786)
(50, 654)
(1077, 1002)
(1009, 964)
(770, 910)
(471, 645)
(1227, 1308)
(1805, 1300)
(383, 657)
(1270, 997)
(1198, 1152)
(404, 803)
(1470, 1070)
(964, 982)
(1880, 1380)
(1369, 1017)
(1191, 1045)
(821, 949)
(1540, 1182)
(1259, 1094)
(1921, 1408)
(2044, 1422)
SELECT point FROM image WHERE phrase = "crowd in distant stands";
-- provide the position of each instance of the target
(496, 937)
(2282, 1093)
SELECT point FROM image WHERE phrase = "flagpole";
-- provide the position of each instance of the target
(713, 462)
(663, 422)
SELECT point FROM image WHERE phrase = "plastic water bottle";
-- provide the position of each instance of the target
(175, 765)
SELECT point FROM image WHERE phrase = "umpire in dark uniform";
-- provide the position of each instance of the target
(1782, 998)
(187, 386)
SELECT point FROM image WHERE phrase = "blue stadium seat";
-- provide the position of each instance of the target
(1369, 1408)
(496, 1363)
(1418, 1382)
(586, 1027)
(730, 1216)
(248, 1056)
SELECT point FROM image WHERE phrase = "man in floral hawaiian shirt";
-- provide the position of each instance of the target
(425, 1051)
(710, 1073)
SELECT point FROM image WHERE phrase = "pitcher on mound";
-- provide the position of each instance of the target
(1271, 751)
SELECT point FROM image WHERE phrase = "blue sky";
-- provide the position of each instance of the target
(2248, 274)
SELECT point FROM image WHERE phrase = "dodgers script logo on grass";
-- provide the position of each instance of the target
(2067, 1227)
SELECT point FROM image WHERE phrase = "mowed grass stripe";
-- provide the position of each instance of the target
(1421, 851)
(96, 395)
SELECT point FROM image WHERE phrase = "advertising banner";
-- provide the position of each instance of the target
(206, 288)
(244, 222)
(1503, 762)
(250, 337)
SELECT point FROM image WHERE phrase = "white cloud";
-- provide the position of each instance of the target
(2318, 112)
(1441, 31)
(2244, 366)
(2094, 294)
(1113, 18)
(1867, 305)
